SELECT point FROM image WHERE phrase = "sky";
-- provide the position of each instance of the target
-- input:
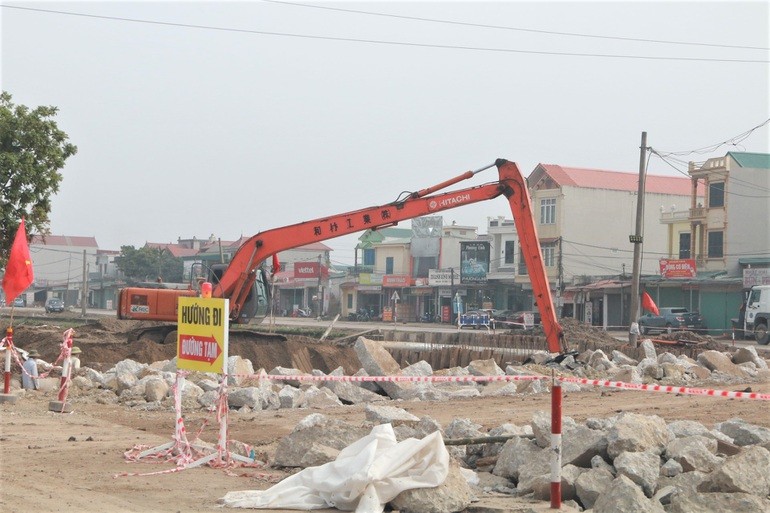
(230, 118)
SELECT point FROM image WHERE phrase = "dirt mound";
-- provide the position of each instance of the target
(106, 342)
(577, 331)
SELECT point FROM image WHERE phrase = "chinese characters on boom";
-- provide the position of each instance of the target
(366, 220)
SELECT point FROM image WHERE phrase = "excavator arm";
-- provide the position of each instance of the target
(238, 279)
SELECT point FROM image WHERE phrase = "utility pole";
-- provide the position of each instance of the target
(84, 287)
(637, 240)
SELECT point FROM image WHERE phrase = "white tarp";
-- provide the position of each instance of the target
(365, 476)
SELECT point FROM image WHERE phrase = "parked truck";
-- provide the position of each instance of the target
(756, 314)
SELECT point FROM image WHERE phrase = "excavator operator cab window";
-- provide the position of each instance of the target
(139, 299)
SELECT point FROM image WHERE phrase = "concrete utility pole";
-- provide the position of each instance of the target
(84, 287)
(637, 240)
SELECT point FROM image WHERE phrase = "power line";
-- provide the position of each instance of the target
(733, 141)
(390, 43)
(729, 192)
(517, 29)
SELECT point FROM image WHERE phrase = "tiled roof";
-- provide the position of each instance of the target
(616, 180)
(175, 249)
(64, 240)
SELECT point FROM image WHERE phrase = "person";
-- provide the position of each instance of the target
(29, 374)
(75, 360)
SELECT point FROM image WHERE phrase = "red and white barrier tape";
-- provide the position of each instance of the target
(412, 379)
(668, 389)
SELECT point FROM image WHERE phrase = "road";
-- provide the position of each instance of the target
(39, 312)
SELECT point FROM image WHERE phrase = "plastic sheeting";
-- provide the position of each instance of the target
(365, 476)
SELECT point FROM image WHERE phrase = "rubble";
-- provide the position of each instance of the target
(627, 462)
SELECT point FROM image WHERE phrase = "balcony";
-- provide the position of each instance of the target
(698, 214)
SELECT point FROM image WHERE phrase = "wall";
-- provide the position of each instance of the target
(748, 212)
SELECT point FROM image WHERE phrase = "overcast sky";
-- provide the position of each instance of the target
(200, 118)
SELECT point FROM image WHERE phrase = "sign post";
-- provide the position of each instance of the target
(202, 345)
(395, 297)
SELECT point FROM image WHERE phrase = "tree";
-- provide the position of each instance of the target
(148, 264)
(32, 151)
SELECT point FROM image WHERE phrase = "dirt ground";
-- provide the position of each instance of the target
(74, 462)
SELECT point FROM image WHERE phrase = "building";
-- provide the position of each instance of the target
(722, 240)
(62, 265)
(584, 218)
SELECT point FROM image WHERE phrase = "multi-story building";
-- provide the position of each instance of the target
(730, 229)
(722, 238)
(584, 219)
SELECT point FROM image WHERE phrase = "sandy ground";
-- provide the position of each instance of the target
(75, 462)
(69, 462)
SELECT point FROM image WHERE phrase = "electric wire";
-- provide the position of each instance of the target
(392, 43)
(516, 29)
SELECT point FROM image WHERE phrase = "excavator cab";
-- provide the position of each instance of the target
(257, 304)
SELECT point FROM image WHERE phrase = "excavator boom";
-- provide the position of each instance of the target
(237, 281)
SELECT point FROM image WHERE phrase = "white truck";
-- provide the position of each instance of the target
(757, 315)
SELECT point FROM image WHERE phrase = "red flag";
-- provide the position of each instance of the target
(276, 263)
(648, 304)
(18, 271)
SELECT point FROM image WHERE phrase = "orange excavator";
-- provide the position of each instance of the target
(245, 282)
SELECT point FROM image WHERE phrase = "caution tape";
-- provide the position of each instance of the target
(667, 389)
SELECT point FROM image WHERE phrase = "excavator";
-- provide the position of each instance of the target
(244, 281)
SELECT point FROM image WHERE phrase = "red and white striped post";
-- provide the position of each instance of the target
(8, 351)
(61, 405)
(555, 443)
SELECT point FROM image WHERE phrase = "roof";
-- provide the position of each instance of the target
(753, 160)
(64, 240)
(612, 180)
(174, 249)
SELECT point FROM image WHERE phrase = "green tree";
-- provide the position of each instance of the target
(32, 151)
(148, 264)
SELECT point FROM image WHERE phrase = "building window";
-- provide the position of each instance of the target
(350, 301)
(389, 265)
(716, 194)
(368, 257)
(548, 211)
(549, 254)
(509, 252)
(715, 241)
(684, 245)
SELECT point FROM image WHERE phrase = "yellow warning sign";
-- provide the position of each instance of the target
(202, 334)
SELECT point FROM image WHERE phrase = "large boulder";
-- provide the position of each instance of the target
(377, 361)
(694, 453)
(698, 502)
(453, 495)
(591, 484)
(623, 495)
(637, 433)
(747, 472)
(742, 433)
(643, 468)
(312, 429)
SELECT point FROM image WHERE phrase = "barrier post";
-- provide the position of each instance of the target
(6, 396)
(555, 443)
(61, 406)
(8, 350)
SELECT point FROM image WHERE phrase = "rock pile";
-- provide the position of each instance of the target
(627, 462)
(149, 385)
